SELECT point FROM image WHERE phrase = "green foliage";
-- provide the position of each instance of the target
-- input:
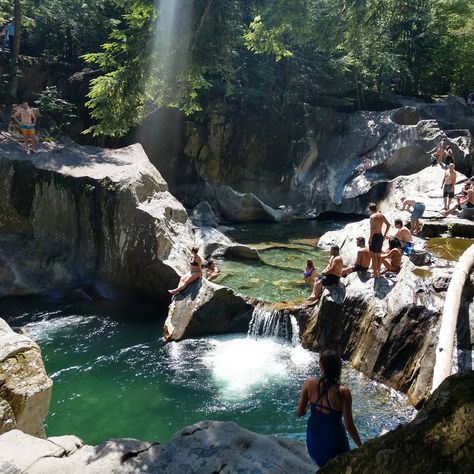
(52, 104)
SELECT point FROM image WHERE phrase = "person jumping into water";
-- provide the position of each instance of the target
(377, 221)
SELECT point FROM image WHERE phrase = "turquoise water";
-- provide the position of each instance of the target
(284, 249)
(114, 377)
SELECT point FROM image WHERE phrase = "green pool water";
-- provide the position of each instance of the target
(115, 377)
(448, 248)
(284, 249)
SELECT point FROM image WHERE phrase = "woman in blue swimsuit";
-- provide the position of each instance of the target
(330, 403)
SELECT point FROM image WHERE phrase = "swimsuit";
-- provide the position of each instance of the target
(27, 129)
(377, 243)
(307, 273)
(448, 190)
(194, 264)
(359, 268)
(418, 210)
(325, 434)
(329, 280)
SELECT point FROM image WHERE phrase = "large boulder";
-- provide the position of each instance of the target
(439, 439)
(25, 389)
(82, 215)
(208, 446)
(204, 308)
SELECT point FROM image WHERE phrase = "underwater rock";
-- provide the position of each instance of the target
(25, 389)
(205, 308)
(439, 439)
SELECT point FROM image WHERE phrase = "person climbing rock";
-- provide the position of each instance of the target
(377, 222)
(195, 273)
(362, 262)
(330, 275)
(330, 403)
(25, 118)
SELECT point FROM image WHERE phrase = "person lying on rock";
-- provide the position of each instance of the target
(212, 271)
(330, 275)
(467, 202)
(330, 403)
(392, 260)
(362, 262)
(404, 236)
(448, 183)
(377, 221)
(195, 273)
(416, 213)
(310, 272)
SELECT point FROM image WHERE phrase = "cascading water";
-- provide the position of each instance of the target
(274, 324)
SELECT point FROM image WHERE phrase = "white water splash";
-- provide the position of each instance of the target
(274, 324)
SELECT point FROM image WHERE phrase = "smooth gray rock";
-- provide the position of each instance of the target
(203, 215)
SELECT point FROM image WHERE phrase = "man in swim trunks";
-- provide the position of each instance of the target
(26, 121)
(449, 180)
(362, 262)
(416, 214)
(377, 221)
(404, 236)
(330, 275)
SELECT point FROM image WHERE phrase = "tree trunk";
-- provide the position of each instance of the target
(17, 14)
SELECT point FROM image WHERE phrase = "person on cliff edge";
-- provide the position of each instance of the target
(195, 273)
(330, 403)
(377, 221)
(330, 276)
(25, 118)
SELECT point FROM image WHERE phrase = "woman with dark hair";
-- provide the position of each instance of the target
(329, 402)
(392, 260)
(195, 272)
(212, 270)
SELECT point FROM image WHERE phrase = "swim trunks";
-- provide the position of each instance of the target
(418, 210)
(448, 190)
(376, 244)
(27, 129)
(359, 268)
(329, 280)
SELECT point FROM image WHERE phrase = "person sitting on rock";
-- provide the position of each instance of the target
(330, 275)
(404, 236)
(448, 183)
(392, 260)
(212, 271)
(195, 273)
(362, 262)
(310, 272)
(467, 202)
(330, 403)
(462, 195)
(416, 213)
(377, 221)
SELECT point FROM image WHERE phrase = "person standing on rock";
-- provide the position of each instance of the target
(416, 214)
(195, 273)
(449, 181)
(377, 222)
(330, 275)
(362, 262)
(25, 118)
(330, 403)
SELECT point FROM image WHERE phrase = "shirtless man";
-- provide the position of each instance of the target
(26, 121)
(330, 275)
(362, 262)
(403, 234)
(416, 213)
(449, 180)
(377, 221)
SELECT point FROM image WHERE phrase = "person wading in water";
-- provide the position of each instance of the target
(330, 403)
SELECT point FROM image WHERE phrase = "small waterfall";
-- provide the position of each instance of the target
(274, 323)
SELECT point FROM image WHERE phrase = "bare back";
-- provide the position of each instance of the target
(376, 223)
(363, 257)
(316, 394)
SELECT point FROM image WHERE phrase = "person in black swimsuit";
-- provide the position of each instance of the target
(376, 239)
(195, 272)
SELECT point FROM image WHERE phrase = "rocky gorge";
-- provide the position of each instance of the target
(105, 222)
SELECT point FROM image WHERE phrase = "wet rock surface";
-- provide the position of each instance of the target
(25, 389)
(206, 447)
(439, 439)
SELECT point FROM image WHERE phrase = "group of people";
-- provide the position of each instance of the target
(442, 154)
(367, 256)
(196, 272)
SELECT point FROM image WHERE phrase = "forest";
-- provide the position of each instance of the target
(252, 54)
